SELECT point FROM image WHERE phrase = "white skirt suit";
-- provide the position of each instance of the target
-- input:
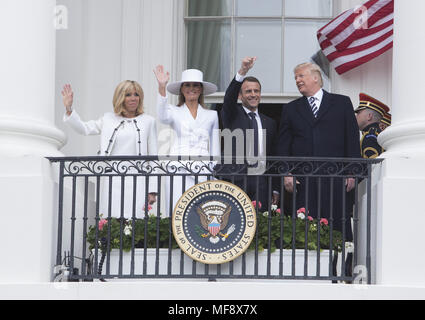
(120, 136)
(192, 137)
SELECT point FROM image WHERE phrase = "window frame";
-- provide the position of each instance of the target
(266, 97)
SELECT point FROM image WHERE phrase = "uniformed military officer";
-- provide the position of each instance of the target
(369, 115)
(385, 121)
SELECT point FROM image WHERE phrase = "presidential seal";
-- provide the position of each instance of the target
(214, 222)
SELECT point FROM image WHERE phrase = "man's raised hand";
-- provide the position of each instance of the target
(247, 64)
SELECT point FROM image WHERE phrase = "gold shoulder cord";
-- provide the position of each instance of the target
(375, 153)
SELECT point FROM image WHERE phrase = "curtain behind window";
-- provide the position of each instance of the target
(209, 42)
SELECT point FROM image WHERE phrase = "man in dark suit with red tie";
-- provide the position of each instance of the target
(257, 130)
(319, 124)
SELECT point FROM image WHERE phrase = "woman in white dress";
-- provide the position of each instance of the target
(195, 127)
(127, 131)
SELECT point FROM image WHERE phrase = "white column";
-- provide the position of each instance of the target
(27, 78)
(406, 136)
(400, 207)
(27, 136)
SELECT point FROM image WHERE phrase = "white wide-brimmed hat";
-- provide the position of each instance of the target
(192, 75)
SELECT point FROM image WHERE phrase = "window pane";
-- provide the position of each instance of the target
(251, 8)
(209, 50)
(262, 39)
(308, 8)
(300, 45)
(210, 7)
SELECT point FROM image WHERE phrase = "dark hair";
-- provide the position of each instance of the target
(251, 79)
(182, 99)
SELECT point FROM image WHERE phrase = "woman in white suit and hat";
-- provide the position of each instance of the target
(196, 128)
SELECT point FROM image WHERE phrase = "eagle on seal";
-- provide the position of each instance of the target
(214, 216)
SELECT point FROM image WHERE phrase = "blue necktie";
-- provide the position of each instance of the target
(314, 107)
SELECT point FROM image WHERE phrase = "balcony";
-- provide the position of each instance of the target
(104, 233)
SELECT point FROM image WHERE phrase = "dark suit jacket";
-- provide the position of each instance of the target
(334, 133)
(233, 116)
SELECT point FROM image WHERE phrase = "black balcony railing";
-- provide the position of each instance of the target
(105, 231)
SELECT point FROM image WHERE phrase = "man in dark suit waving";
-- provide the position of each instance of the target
(256, 131)
(319, 124)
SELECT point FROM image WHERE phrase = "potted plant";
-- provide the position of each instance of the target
(300, 232)
(124, 234)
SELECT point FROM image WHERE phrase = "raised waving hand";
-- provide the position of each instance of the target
(162, 77)
(67, 98)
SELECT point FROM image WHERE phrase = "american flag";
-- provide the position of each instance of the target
(358, 35)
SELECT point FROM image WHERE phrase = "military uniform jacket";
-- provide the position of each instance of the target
(369, 145)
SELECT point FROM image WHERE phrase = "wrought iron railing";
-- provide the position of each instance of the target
(104, 230)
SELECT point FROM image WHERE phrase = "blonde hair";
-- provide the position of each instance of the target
(182, 99)
(119, 96)
(314, 70)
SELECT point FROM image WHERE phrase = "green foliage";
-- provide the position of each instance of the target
(125, 232)
(298, 233)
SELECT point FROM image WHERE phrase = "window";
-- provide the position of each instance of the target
(281, 33)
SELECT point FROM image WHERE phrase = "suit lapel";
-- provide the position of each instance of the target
(305, 110)
(263, 121)
(268, 127)
(324, 105)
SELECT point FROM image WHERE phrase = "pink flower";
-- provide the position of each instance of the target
(324, 221)
(301, 213)
(102, 223)
(149, 208)
(254, 203)
(310, 218)
(278, 210)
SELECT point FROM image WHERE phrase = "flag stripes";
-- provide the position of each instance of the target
(358, 35)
